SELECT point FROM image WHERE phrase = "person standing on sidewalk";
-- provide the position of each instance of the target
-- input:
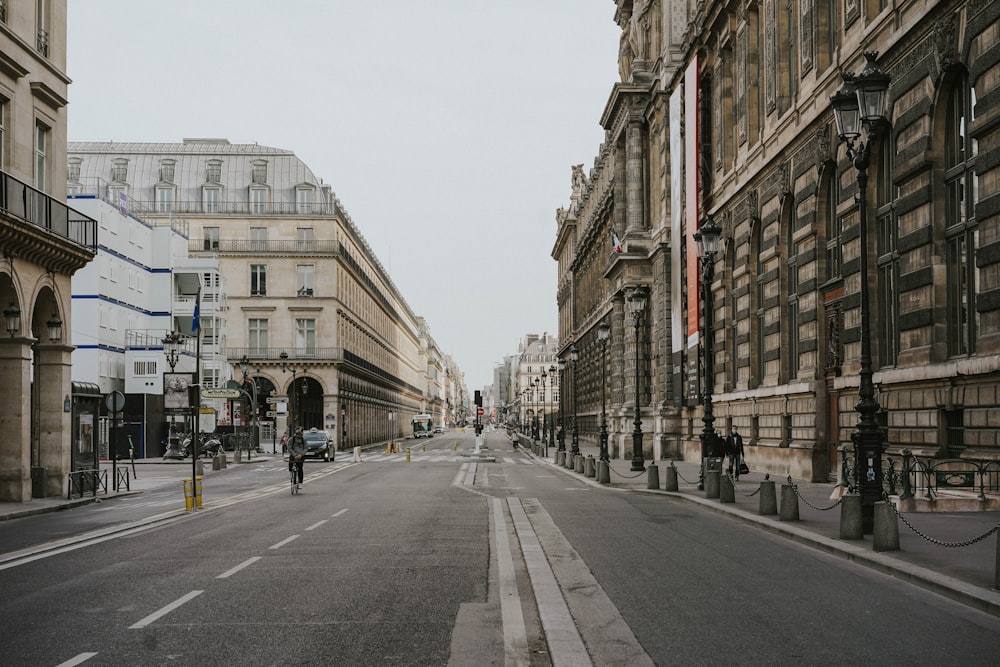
(734, 451)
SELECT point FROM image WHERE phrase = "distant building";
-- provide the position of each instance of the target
(44, 243)
(307, 302)
(536, 384)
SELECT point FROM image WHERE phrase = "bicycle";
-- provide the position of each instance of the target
(293, 469)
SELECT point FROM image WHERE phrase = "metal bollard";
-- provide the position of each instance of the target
(578, 463)
(407, 454)
(653, 477)
(885, 534)
(851, 522)
(216, 463)
(727, 491)
(768, 500)
(670, 484)
(789, 504)
(197, 492)
(188, 494)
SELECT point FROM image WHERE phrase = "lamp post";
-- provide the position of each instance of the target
(534, 411)
(636, 305)
(541, 410)
(172, 343)
(552, 420)
(562, 411)
(293, 403)
(12, 318)
(603, 333)
(861, 104)
(254, 435)
(707, 242)
(574, 355)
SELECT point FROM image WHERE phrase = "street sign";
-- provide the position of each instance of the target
(480, 411)
(115, 401)
(221, 393)
(273, 400)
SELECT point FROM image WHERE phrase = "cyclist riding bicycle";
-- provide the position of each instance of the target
(297, 453)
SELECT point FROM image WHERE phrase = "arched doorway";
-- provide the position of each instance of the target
(306, 395)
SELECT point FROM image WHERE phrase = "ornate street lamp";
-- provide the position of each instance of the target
(637, 305)
(552, 420)
(293, 404)
(562, 407)
(603, 333)
(707, 241)
(574, 355)
(12, 318)
(534, 416)
(54, 326)
(861, 104)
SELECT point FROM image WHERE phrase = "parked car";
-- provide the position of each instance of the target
(318, 444)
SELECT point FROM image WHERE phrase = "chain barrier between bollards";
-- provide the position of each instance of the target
(745, 495)
(627, 476)
(682, 477)
(795, 490)
(941, 543)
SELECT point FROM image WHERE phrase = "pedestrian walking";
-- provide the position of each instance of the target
(734, 451)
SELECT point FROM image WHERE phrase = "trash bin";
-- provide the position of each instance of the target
(39, 481)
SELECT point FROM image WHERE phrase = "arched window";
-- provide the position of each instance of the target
(961, 230)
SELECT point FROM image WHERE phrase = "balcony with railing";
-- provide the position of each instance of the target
(245, 207)
(260, 247)
(20, 200)
(272, 355)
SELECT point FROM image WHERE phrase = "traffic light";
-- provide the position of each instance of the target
(479, 398)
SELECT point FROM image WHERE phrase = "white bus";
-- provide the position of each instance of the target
(423, 426)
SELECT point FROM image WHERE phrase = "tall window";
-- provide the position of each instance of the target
(961, 229)
(827, 33)
(304, 201)
(794, 317)
(164, 199)
(304, 236)
(258, 200)
(834, 226)
(787, 49)
(887, 260)
(306, 278)
(758, 334)
(258, 280)
(211, 199)
(305, 336)
(119, 171)
(258, 239)
(259, 173)
(211, 238)
(257, 335)
(41, 155)
(42, 23)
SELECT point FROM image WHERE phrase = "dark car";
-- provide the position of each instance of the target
(318, 444)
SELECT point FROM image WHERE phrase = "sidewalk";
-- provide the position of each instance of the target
(943, 561)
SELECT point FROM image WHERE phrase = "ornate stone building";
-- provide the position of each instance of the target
(731, 118)
(44, 243)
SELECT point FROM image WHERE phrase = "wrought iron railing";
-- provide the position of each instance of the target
(272, 355)
(236, 207)
(318, 246)
(910, 477)
(20, 200)
(82, 482)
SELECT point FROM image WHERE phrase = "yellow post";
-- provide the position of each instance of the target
(424, 448)
(454, 446)
(188, 494)
(197, 492)
(407, 454)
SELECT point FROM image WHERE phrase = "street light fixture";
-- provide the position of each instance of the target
(552, 420)
(707, 242)
(54, 326)
(603, 333)
(861, 104)
(562, 410)
(294, 403)
(637, 305)
(574, 355)
(534, 415)
(12, 318)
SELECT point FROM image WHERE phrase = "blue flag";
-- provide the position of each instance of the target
(196, 321)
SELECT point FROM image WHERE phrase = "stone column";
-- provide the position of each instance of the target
(15, 420)
(53, 370)
(634, 181)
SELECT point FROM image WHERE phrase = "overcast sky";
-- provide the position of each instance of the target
(447, 128)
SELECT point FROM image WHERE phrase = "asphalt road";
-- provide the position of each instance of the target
(448, 559)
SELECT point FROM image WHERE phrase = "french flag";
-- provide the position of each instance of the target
(616, 242)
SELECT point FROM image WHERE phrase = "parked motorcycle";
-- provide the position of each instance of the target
(209, 445)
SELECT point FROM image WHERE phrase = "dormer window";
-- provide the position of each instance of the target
(167, 171)
(73, 170)
(259, 173)
(304, 200)
(119, 171)
(213, 174)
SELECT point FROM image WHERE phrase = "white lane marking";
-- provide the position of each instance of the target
(565, 644)
(459, 475)
(507, 459)
(515, 639)
(283, 542)
(247, 562)
(470, 477)
(83, 657)
(334, 516)
(165, 610)
(316, 525)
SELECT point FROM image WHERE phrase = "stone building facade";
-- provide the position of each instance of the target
(44, 243)
(308, 303)
(731, 118)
